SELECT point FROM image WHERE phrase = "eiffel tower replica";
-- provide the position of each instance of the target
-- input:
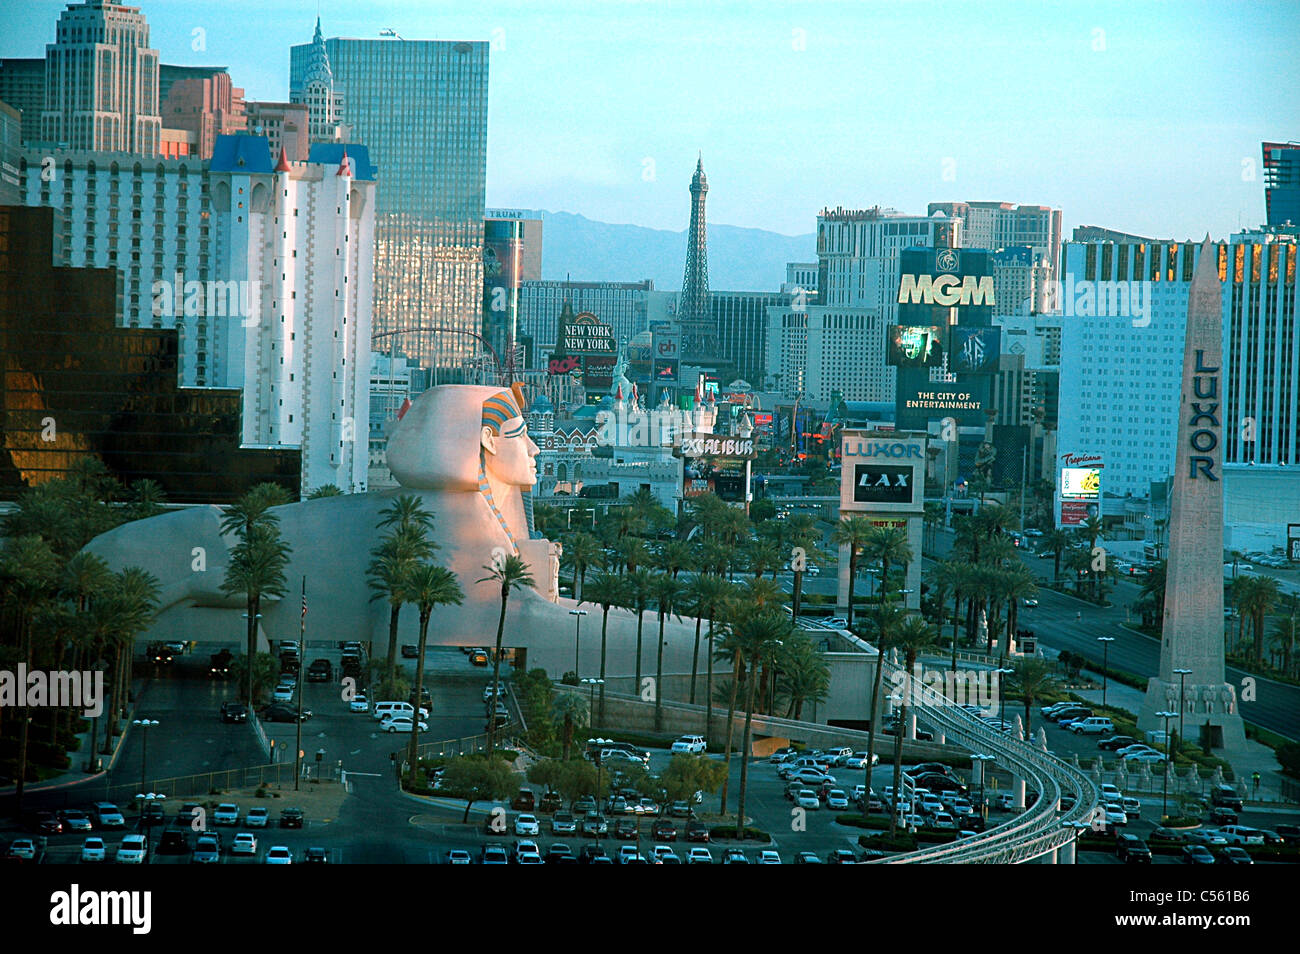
(699, 330)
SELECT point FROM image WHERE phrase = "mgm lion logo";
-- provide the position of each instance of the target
(946, 260)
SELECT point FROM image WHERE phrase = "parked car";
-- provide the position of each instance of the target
(594, 824)
(401, 724)
(1242, 835)
(697, 831)
(527, 824)
(1232, 855)
(245, 843)
(359, 703)
(1093, 725)
(227, 813)
(663, 830)
(74, 819)
(563, 823)
(1225, 796)
(256, 817)
(494, 855)
(107, 816)
(806, 858)
(207, 849)
(291, 818)
(22, 849)
(767, 856)
(1116, 742)
(699, 856)
(858, 760)
(280, 712)
(459, 856)
(320, 670)
(1131, 850)
(92, 850)
(841, 856)
(1197, 855)
(693, 744)
(134, 850)
(278, 855)
(837, 800)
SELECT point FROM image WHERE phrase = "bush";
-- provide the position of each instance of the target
(1288, 756)
(900, 842)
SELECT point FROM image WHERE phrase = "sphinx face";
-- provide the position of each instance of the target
(511, 456)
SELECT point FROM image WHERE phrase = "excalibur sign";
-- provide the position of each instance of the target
(1191, 643)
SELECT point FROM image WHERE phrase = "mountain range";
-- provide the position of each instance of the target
(740, 259)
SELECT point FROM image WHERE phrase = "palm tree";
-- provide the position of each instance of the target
(396, 556)
(570, 709)
(510, 573)
(801, 532)
(1057, 541)
(758, 637)
(882, 624)
(147, 498)
(1256, 597)
(887, 545)
(256, 569)
(631, 553)
(428, 586)
(581, 552)
(639, 590)
(325, 490)
(547, 519)
(853, 532)
(708, 594)
(667, 591)
(1079, 562)
(717, 557)
(135, 603)
(1153, 588)
(914, 635)
(1033, 677)
(730, 651)
(606, 591)
(676, 556)
(804, 674)
(764, 555)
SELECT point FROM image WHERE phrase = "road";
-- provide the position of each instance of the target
(1057, 622)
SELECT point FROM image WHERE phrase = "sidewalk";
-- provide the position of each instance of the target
(1257, 757)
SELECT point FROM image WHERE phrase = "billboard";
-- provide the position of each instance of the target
(974, 349)
(915, 346)
(709, 445)
(665, 372)
(875, 484)
(920, 401)
(563, 364)
(1080, 483)
(598, 374)
(882, 473)
(586, 334)
(1076, 512)
(725, 476)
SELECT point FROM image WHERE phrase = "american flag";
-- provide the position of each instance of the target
(304, 605)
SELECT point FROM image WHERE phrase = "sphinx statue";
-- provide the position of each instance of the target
(465, 452)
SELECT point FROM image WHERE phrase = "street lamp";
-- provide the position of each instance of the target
(1182, 675)
(1002, 696)
(1105, 664)
(984, 802)
(592, 683)
(144, 725)
(577, 615)
(141, 801)
(1164, 803)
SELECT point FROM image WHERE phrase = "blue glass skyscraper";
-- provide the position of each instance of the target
(421, 107)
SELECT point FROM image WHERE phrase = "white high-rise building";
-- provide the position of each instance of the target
(300, 238)
(1123, 315)
(315, 90)
(101, 81)
(148, 218)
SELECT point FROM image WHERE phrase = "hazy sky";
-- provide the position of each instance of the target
(1145, 117)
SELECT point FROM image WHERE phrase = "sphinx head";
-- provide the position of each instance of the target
(444, 436)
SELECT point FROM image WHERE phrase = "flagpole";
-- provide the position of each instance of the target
(302, 654)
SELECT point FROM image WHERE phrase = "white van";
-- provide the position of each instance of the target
(1092, 725)
(386, 710)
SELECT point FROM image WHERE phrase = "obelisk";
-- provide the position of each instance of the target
(1192, 636)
